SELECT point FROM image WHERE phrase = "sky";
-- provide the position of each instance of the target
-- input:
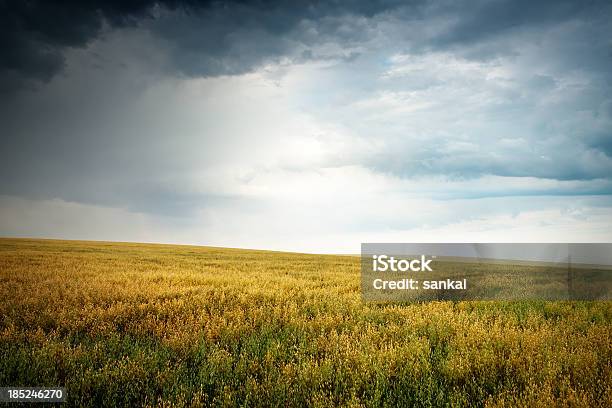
(306, 126)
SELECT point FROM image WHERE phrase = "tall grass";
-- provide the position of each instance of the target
(156, 325)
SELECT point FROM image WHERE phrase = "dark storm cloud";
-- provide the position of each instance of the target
(475, 21)
(209, 38)
(34, 34)
(238, 37)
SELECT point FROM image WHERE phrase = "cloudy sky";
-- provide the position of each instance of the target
(307, 126)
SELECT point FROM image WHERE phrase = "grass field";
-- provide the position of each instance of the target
(137, 324)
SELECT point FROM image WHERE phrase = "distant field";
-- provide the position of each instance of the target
(158, 325)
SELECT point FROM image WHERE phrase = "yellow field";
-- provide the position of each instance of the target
(137, 324)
